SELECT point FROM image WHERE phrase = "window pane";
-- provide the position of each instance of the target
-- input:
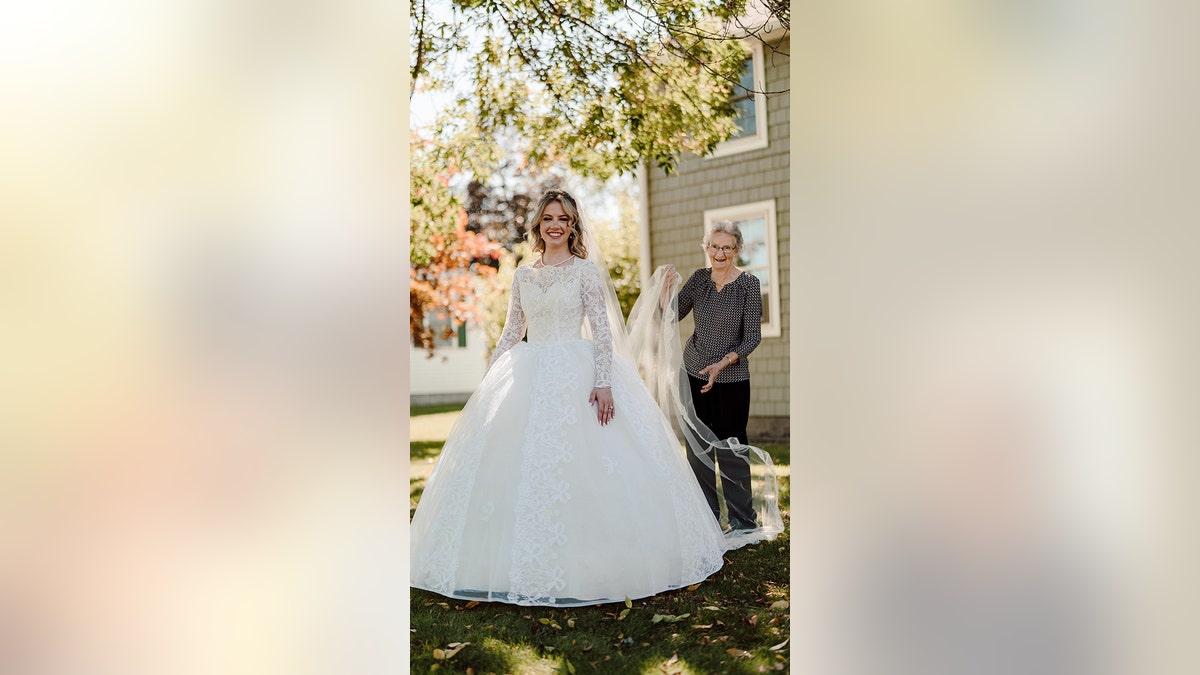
(743, 102)
(747, 80)
(440, 326)
(754, 243)
(755, 256)
(745, 119)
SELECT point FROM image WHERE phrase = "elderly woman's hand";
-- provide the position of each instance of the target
(715, 369)
(670, 278)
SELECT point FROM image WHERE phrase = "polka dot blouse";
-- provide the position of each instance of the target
(729, 320)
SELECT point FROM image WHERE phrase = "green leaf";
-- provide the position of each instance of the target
(624, 613)
(628, 602)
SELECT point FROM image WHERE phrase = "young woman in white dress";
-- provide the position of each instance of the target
(561, 483)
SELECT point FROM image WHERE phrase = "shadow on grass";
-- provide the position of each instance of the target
(417, 411)
(424, 449)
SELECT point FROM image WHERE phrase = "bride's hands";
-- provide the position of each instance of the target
(602, 396)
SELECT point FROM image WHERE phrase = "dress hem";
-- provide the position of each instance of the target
(482, 596)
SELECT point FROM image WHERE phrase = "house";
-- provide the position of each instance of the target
(745, 180)
(454, 371)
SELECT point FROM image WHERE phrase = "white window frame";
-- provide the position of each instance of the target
(759, 140)
(766, 210)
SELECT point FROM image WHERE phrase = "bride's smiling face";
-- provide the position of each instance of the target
(555, 226)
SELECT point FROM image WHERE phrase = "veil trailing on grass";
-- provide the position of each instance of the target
(650, 339)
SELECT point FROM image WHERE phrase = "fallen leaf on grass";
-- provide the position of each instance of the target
(707, 625)
(779, 646)
(624, 613)
(693, 587)
(472, 603)
(628, 602)
(737, 653)
(570, 623)
(779, 604)
(669, 618)
(712, 607)
(753, 620)
(456, 647)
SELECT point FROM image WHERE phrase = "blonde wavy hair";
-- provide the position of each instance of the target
(575, 239)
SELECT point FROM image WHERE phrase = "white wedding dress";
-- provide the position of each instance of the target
(533, 502)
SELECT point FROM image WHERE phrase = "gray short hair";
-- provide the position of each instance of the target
(724, 227)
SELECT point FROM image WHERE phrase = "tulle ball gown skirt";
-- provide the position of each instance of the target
(533, 502)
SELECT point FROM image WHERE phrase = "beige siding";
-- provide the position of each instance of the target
(676, 216)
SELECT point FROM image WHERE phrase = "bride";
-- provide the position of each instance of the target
(562, 483)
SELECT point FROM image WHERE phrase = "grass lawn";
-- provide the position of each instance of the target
(736, 621)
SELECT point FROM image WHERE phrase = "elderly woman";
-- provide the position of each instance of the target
(727, 304)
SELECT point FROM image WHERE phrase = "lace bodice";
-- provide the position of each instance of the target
(551, 303)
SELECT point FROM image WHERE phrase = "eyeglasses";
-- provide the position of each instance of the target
(721, 249)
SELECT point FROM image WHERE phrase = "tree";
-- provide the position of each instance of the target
(449, 264)
(618, 237)
(590, 87)
(595, 86)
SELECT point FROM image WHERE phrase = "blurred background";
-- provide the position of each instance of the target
(994, 301)
(202, 394)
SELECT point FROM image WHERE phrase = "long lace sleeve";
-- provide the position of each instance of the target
(514, 323)
(593, 305)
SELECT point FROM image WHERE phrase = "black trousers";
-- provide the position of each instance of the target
(725, 409)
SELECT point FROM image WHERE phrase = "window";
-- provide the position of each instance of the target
(444, 332)
(759, 255)
(751, 106)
